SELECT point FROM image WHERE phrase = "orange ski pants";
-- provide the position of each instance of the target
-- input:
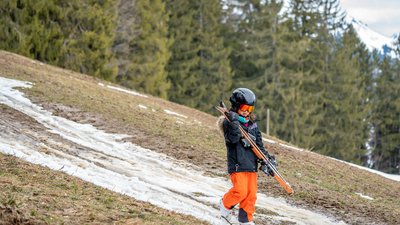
(244, 193)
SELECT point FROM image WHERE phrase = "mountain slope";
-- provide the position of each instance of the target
(182, 133)
(372, 39)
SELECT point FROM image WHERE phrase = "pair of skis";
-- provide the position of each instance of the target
(278, 177)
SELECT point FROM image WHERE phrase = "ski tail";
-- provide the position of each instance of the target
(284, 184)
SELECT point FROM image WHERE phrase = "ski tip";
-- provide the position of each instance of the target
(289, 190)
(222, 104)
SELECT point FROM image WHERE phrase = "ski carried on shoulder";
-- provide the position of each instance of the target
(278, 177)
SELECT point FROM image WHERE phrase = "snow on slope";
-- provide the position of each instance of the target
(388, 176)
(373, 40)
(103, 159)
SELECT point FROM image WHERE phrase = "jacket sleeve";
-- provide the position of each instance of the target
(260, 143)
(232, 132)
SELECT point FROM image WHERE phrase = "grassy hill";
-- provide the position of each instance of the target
(35, 194)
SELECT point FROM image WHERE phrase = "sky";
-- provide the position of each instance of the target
(382, 16)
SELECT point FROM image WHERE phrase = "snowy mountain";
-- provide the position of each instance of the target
(372, 39)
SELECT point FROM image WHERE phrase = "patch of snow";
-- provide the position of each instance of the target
(142, 106)
(101, 84)
(130, 169)
(198, 122)
(364, 196)
(126, 91)
(269, 140)
(291, 147)
(386, 175)
(174, 113)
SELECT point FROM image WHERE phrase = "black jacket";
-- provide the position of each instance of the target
(241, 158)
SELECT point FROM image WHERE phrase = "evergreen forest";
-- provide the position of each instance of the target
(324, 89)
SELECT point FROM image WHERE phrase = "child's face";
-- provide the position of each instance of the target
(243, 113)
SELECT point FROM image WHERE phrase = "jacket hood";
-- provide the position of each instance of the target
(220, 124)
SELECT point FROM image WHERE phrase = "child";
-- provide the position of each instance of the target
(242, 162)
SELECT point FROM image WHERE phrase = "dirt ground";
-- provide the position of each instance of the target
(215, 164)
(31, 194)
(320, 183)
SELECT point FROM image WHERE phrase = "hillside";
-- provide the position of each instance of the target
(31, 192)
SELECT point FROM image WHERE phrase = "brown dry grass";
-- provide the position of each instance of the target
(31, 194)
(319, 183)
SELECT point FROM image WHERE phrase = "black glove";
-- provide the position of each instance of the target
(232, 116)
(266, 169)
(273, 160)
(245, 143)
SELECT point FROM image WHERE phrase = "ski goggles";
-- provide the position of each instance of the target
(244, 107)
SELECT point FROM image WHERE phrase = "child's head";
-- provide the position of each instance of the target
(243, 101)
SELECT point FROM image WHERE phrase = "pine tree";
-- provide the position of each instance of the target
(198, 68)
(10, 36)
(347, 100)
(30, 28)
(368, 64)
(89, 34)
(149, 50)
(386, 117)
(255, 37)
(317, 21)
(289, 114)
(397, 45)
(72, 34)
(125, 32)
(305, 28)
